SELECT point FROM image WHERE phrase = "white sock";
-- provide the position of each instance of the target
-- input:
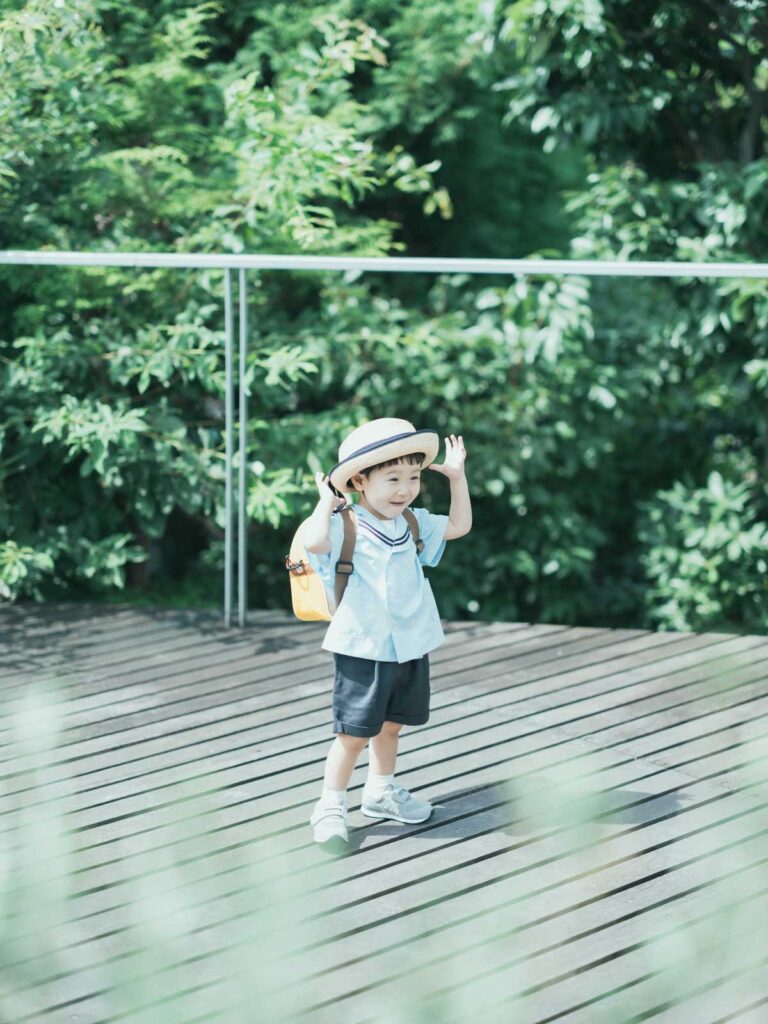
(375, 785)
(335, 796)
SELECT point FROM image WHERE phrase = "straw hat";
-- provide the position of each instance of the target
(379, 441)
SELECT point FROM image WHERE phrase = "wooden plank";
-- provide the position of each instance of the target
(468, 818)
(499, 681)
(235, 664)
(92, 642)
(455, 667)
(274, 638)
(271, 842)
(551, 960)
(84, 664)
(583, 982)
(639, 709)
(613, 887)
(299, 817)
(314, 736)
(435, 850)
(316, 732)
(599, 712)
(105, 893)
(98, 812)
(741, 999)
(307, 854)
(631, 764)
(298, 686)
(276, 712)
(286, 779)
(29, 621)
(313, 667)
(704, 873)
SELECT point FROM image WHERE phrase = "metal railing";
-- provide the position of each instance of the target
(387, 264)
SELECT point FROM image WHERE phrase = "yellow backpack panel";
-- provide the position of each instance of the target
(308, 593)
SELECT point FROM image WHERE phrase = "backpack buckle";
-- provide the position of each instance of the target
(347, 572)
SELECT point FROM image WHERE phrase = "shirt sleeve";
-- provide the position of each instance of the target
(432, 529)
(325, 563)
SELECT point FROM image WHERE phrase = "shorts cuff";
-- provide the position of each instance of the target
(408, 719)
(355, 730)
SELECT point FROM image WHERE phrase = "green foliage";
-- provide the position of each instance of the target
(112, 409)
(668, 101)
(707, 557)
(593, 129)
(52, 65)
(670, 82)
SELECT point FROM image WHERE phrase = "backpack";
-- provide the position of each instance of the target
(308, 594)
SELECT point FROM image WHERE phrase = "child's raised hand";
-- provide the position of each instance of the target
(326, 494)
(455, 454)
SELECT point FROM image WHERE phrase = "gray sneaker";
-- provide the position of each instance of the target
(397, 803)
(329, 821)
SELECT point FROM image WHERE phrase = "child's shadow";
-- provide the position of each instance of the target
(502, 806)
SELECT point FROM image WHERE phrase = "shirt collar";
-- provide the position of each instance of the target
(386, 533)
(381, 523)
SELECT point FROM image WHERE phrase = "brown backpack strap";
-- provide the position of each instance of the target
(413, 526)
(344, 566)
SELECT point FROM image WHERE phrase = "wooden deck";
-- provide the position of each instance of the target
(598, 850)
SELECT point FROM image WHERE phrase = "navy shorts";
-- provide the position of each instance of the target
(367, 693)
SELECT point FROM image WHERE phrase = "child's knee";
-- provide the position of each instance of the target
(352, 742)
(391, 728)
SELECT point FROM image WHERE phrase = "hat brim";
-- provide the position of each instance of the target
(427, 441)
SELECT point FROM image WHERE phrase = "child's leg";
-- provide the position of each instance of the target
(384, 749)
(381, 762)
(382, 796)
(341, 760)
(329, 817)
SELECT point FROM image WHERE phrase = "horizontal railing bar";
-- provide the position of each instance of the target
(385, 264)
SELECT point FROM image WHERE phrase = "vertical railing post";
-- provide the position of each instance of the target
(228, 338)
(242, 550)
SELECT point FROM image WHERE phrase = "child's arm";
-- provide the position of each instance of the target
(316, 534)
(460, 515)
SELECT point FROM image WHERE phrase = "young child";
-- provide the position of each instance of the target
(387, 621)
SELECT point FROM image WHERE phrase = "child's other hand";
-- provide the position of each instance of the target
(455, 454)
(327, 497)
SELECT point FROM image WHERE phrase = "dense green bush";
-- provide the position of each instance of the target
(616, 429)
(706, 558)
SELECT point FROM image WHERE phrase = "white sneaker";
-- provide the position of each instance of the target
(329, 820)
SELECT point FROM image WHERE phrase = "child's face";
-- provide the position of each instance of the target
(389, 490)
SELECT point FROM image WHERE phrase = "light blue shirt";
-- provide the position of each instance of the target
(388, 611)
